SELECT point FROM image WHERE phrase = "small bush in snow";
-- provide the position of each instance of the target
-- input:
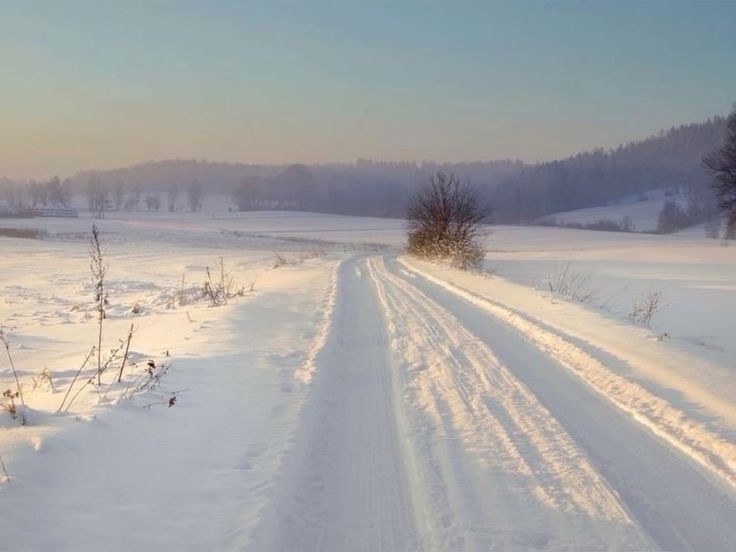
(569, 283)
(279, 260)
(645, 307)
(7, 404)
(148, 380)
(43, 380)
(222, 286)
(445, 222)
(9, 396)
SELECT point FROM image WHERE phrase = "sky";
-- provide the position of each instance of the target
(102, 84)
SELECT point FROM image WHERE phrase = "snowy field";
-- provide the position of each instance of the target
(351, 398)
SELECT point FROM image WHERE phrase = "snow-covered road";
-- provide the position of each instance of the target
(345, 486)
(432, 424)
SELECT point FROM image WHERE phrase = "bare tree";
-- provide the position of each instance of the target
(445, 221)
(173, 197)
(118, 195)
(195, 193)
(57, 193)
(97, 197)
(722, 165)
(37, 193)
(671, 218)
(153, 202)
(132, 203)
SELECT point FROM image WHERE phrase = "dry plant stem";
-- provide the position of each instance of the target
(98, 268)
(91, 380)
(125, 355)
(99, 346)
(5, 470)
(86, 360)
(12, 366)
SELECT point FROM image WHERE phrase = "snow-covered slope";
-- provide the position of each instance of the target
(641, 212)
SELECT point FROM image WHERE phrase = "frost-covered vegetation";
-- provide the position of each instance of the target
(445, 219)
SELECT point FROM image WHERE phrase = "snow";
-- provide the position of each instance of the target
(359, 399)
(641, 209)
(694, 275)
(707, 445)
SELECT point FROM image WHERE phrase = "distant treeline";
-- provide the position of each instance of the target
(671, 160)
(518, 192)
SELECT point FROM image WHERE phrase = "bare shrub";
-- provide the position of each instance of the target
(222, 286)
(565, 281)
(148, 380)
(279, 260)
(114, 353)
(445, 219)
(311, 253)
(168, 401)
(43, 380)
(186, 295)
(7, 404)
(645, 307)
(18, 391)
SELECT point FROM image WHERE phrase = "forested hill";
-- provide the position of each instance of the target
(519, 192)
(671, 160)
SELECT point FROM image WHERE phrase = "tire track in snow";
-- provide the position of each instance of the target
(497, 469)
(689, 436)
(678, 502)
(344, 486)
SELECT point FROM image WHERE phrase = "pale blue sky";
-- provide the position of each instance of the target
(107, 83)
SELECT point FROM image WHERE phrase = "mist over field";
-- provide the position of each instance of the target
(350, 276)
